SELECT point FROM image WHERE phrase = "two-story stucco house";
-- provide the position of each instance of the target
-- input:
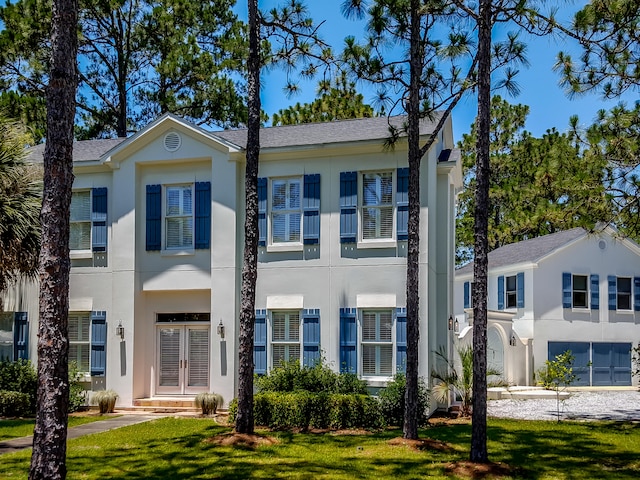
(156, 246)
(570, 290)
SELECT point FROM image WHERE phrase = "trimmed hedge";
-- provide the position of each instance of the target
(392, 401)
(14, 404)
(304, 410)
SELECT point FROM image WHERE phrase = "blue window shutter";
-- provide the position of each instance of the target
(311, 207)
(260, 343)
(501, 292)
(402, 202)
(613, 287)
(203, 215)
(401, 340)
(98, 343)
(566, 290)
(310, 337)
(262, 214)
(20, 336)
(154, 217)
(348, 207)
(636, 294)
(99, 219)
(467, 294)
(520, 290)
(595, 292)
(348, 340)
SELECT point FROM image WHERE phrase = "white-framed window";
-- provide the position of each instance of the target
(6, 336)
(178, 216)
(79, 339)
(623, 293)
(80, 221)
(580, 291)
(377, 343)
(285, 336)
(511, 291)
(286, 210)
(376, 206)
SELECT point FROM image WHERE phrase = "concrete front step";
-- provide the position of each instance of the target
(524, 393)
(169, 402)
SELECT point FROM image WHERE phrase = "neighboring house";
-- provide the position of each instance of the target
(570, 290)
(157, 240)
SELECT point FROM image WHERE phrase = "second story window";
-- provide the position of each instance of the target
(623, 294)
(179, 216)
(511, 292)
(377, 206)
(80, 221)
(580, 291)
(286, 213)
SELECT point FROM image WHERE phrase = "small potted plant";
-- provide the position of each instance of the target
(106, 400)
(208, 402)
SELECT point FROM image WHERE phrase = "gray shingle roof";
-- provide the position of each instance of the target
(528, 250)
(361, 129)
(83, 151)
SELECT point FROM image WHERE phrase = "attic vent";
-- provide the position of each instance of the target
(172, 141)
(602, 244)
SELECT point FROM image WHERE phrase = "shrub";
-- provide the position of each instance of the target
(14, 404)
(106, 400)
(392, 401)
(350, 383)
(20, 376)
(302, 409)
(77, 393)
(208, 402)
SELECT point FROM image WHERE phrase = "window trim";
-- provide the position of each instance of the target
(271, 342)
(85, 342)
(291, 245)
(510, 294)
(587, 292)
(377, 242)
(392, 343)
(167, 250)
(77, 253)
(629, 294)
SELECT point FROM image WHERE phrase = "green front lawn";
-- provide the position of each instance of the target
(23, 427)
(177, 448)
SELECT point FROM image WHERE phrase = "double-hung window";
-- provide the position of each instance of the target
(580, 291)
(79, 337)
(286, 211)
(179, 216)
(511, 291)
(80, 221)
(377, 343)
(285, 336)
(623, 293)
(374, 207)
(88, 228)
(377, 206)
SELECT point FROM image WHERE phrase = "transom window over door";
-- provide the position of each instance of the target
(179, 216)
(377, 344)
(286, 213)
(377, 205)
(285, 337)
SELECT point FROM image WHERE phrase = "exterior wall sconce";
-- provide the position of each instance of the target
(512, 340)
(456, 326)
(120, 331)
(221, 329)
(450, 322)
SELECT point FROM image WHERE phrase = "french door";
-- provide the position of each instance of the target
(183, 359)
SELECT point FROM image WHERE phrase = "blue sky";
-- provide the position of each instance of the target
(549, 106)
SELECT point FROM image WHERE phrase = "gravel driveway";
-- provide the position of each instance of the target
(582, 405)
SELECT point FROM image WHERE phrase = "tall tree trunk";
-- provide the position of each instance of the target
(50, 433)
(410, 427)
(244, 418)
(481, 244)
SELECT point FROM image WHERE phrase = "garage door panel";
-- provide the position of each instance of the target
(580, 351)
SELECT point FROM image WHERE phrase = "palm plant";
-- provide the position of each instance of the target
(20, 203)
(448, 380)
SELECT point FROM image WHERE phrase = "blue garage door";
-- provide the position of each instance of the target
(611, 363)
(581, 352)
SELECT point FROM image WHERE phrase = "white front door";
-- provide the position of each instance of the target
(183, 359)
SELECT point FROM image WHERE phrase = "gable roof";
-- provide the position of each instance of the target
(307, 134)
(339, 131)
(530, 250)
